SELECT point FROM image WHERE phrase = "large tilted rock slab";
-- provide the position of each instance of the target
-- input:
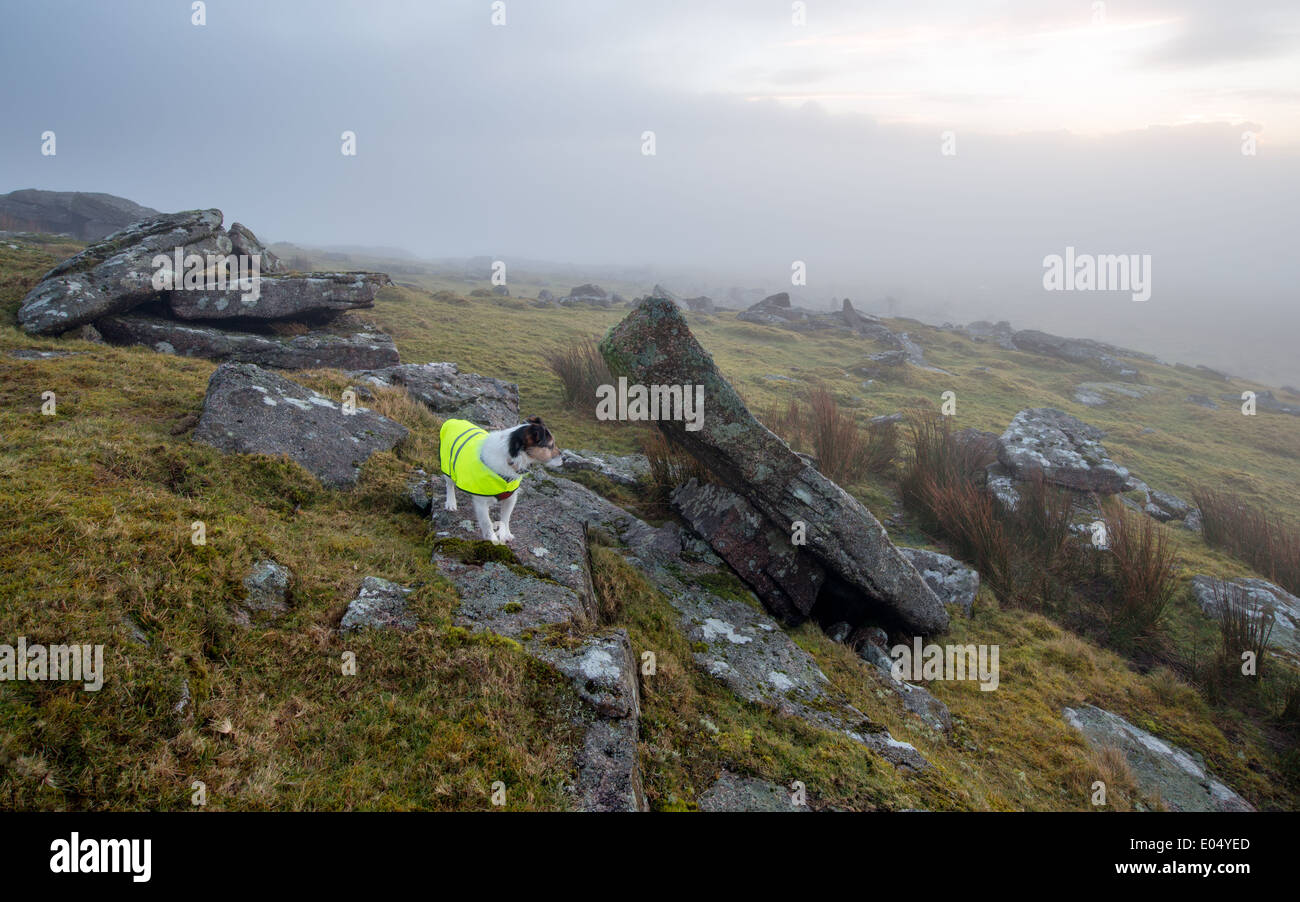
(1177, 777)
(1063, 448)
(448, 392)
(281, 297)
(653, 345)
(350, 351)
(1258, 597)
(249, 410)
(787, 581)
(116, 274)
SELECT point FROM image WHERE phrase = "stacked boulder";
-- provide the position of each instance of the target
(182, 284)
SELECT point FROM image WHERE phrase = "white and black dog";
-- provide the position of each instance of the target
(490, 465)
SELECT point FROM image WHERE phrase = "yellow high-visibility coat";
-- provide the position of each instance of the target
(459, 444)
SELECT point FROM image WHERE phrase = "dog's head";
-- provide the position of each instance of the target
(534, 441)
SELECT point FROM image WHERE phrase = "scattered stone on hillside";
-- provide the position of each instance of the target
(999, 333)
(1203, 401)
(1193, 520)
(1063, 448)
(915, 356)
(1165, 506)
(701, 304)
(86, 216)
(38, 354)
(731, 792)
(546, 296)
(1161, 769)
(243, 241)
(444, 389)
(249, 410)
(589, 295)
(1259, 597)
(281, 297)
(116, 274)
(1265, 400)
(356, 350)
(951, 580)
(787, 581)
(626, 469)
(1099, 394)
(419, 490)
(776, 310)
(266, 588)
(653, 345)
(379, 604)
(1094, 354)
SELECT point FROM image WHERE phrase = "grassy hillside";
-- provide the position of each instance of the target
(96, 507)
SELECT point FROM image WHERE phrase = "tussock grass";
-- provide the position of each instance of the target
(581, 370)
(1268, 543)
(844, 451)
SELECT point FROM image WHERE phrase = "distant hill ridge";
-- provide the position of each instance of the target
(84, 215)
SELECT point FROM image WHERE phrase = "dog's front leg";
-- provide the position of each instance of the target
(484, 520)
(503, 528)
(451, 493)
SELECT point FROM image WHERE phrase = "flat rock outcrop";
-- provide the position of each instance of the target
(249, 410)
(116, 274)
(282, 297)
(737, 643)
(208, 310)
(731, 792)
(1063, 448)
(349, 351)
(653, 345)
(1177, 777)
(444, 389)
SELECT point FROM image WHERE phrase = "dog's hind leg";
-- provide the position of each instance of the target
(503, 527)
(451, 493)
(484, 520)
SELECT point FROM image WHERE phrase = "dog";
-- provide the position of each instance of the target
(489, 465)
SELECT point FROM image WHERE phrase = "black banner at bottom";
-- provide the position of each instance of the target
(303, 851)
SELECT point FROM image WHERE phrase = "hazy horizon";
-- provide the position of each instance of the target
(774, 143)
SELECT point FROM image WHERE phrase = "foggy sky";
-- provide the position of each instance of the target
(774, 143)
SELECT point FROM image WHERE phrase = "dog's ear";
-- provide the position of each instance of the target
(537, 420)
